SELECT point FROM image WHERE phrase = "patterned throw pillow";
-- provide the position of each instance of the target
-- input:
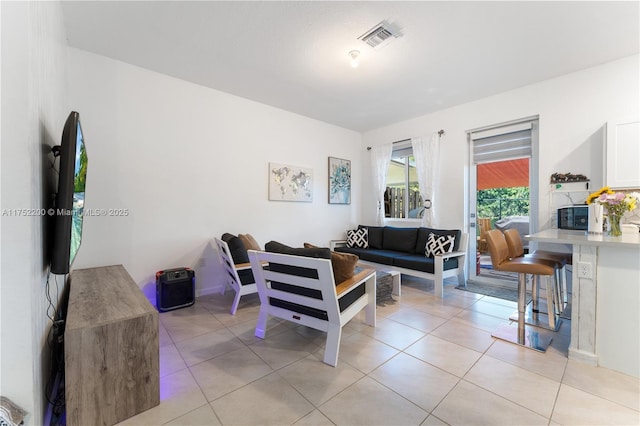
(358, 238)
(439, 244)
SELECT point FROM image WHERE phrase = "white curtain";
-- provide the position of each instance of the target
(426, 151)
(380, 159)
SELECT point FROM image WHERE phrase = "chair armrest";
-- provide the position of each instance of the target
(446, 256)
(347, 285)
(241, 266)
(337, 243)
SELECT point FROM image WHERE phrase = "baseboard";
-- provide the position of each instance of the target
(208, 290)
(583, 356)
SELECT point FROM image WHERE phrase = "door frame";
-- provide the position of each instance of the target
(471, 196)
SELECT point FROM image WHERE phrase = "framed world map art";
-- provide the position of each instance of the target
(339, 181)
(290, 183)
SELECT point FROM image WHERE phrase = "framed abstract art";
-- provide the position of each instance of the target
(339, 181)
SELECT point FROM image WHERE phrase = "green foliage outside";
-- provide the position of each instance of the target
(497, 203)
(80, 179)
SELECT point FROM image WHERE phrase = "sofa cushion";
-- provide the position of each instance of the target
(249, 242)
(236, 247)
(384, 257)
(246, 276)
(423, 235)
(343, 264)
(399, 239)
(276, 247)
(418, 262)
(374, 236)
(358, 238)
(317, 252)
(438, 244)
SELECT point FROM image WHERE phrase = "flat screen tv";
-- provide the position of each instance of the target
(69, 200)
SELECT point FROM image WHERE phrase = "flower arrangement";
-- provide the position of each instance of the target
(615, 204)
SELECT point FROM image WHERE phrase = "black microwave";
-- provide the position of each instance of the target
(573, 217)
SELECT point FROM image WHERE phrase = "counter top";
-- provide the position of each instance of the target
(561, 236)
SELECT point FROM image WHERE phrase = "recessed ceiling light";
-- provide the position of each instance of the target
(354, 54)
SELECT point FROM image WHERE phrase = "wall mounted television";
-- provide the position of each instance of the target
(69, 200)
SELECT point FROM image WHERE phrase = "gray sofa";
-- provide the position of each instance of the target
(403, 250)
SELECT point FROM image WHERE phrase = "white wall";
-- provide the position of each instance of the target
(572, 108)
(34, 109)
(190, 163)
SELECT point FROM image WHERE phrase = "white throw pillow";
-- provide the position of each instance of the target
(358, 238)
(439, 244)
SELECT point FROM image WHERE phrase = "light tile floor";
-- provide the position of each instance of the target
(428, 362)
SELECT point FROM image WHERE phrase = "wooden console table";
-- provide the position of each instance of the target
(111, 348)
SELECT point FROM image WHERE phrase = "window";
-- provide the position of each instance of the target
(402, 197)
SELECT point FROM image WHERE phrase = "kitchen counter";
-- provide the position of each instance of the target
(584, 238)
(605, 300)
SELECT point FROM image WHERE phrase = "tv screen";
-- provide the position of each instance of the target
(69, 204)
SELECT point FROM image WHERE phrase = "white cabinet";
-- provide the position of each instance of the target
(622, 153)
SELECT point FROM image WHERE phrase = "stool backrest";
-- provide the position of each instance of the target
(484, 224)
(498, 248)
(514, 242)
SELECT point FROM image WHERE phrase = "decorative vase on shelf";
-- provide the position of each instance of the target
(614, 225)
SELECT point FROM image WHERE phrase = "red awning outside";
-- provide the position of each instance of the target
(503, 174)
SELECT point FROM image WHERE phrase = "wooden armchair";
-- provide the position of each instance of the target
(238, 276)
(484, 225)
(302, 290)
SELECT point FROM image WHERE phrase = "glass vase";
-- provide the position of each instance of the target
(614, 225)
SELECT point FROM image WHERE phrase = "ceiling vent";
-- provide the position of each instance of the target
(380, 35)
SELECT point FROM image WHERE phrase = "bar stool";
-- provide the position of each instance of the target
(499, 251)
(567, 260)
(516, 251)
(514, 241)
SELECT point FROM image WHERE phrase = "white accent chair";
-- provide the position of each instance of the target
(241, 285)
(302, 290)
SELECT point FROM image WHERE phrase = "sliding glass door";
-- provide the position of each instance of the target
(502, 190)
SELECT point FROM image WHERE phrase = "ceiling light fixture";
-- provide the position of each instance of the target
(354, 54)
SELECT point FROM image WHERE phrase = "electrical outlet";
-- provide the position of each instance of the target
(584, 270)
